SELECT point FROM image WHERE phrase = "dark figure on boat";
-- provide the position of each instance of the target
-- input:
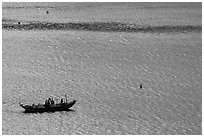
(49, 102)
(61, 101)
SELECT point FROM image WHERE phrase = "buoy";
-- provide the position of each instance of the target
(140, 86)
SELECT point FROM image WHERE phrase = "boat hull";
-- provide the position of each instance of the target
(41, 108)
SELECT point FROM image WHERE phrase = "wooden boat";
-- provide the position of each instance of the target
(51, 108)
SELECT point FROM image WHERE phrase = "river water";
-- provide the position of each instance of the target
(103, 71)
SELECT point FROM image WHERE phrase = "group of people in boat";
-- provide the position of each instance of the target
(51, 101)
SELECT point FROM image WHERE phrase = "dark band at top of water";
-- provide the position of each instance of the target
(98, 26)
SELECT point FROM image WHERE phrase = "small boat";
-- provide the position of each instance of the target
(51, 108)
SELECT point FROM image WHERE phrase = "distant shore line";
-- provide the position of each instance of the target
(98, 26)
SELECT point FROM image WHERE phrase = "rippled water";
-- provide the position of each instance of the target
(103, 72)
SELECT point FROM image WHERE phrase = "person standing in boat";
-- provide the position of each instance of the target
(52, 101)
(61, 101)
(49, 102)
